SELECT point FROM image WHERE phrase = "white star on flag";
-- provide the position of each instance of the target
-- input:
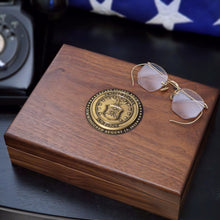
(168, 15)
(217, 22)
(104, 7)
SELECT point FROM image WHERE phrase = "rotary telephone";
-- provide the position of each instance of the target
(17, 54)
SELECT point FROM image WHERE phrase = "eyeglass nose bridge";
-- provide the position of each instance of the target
(171, 82)
(175, 86)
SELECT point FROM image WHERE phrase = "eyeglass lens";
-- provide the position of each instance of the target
(150, 78)
(187, 104)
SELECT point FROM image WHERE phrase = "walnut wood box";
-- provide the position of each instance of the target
(149, 167)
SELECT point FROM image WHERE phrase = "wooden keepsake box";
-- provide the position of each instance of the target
(149, 167)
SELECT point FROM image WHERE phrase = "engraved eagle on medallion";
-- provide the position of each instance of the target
(113, 111)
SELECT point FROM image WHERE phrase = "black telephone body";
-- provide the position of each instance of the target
(16, 53)
(23, 51)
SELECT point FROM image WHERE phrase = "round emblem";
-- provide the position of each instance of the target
(114, 111)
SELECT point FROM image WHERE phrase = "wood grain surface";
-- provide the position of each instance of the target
(147, 167)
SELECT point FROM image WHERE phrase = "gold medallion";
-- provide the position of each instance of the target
(114, 111)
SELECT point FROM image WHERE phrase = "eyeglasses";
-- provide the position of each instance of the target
(186, 103)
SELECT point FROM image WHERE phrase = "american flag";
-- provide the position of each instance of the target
(200, 16)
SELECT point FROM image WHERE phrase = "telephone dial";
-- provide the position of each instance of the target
(17, 46)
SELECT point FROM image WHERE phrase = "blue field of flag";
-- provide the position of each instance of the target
(200, 16)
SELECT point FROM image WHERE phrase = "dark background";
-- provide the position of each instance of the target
(192, 56)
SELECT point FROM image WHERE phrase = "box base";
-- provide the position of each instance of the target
(97, 185)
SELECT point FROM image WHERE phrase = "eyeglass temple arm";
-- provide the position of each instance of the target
(132, 72)
(190, 122)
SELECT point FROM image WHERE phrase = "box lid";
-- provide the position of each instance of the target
(156, 157)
